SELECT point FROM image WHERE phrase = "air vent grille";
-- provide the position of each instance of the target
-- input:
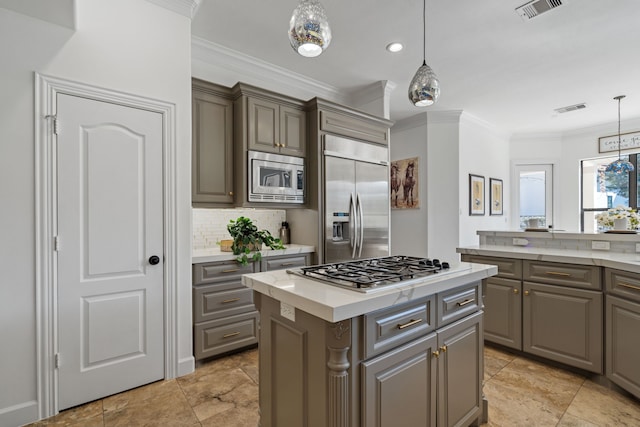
(536, 7)
(571, 108)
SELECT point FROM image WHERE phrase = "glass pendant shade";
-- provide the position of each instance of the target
(619, 166)
(309, 31)
(424, 88)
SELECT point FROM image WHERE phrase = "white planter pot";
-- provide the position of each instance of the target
(620, 223)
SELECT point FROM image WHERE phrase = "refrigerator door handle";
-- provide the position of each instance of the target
(360, 223)
(353, 226)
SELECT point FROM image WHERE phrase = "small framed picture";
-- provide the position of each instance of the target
(495, 196)
(476, 194)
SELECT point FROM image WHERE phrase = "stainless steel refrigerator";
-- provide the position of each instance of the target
(356, 199)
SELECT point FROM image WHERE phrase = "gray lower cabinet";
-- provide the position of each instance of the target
(414, 364)
(224, 315)
(212, 145)
(623, 323)
(563, 324)
(503, 311)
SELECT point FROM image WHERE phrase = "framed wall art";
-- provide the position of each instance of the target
(404, 182)
(476, 194)
(495, 196)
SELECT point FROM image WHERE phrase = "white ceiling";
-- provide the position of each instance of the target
(490, 63)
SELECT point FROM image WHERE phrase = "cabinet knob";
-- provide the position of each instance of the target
(231, 193)
(526, 293)
(443, 348)
(516, 291)
(436, 353)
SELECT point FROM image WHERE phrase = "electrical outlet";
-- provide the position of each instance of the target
(637, 247)
(520, 242)
(600, 245)
(288, 311)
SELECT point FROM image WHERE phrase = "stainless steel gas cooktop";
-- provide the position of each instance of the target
(374, 273)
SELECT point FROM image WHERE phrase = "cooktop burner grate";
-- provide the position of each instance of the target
(374, 272)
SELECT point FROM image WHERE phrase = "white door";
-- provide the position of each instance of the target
(110, 225)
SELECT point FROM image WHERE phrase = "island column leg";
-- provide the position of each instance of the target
(338, 365)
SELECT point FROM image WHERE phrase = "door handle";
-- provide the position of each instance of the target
(353, 225)
(360, 223)
(154, 259)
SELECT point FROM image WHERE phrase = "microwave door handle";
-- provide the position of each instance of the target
(360, 223)
(353, 227)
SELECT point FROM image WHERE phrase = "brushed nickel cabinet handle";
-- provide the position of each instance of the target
(626, 285)
(557, 273)
(409, 323)
(231, 335)
(285, 264)
(515, 291)
(230, 300)
(230, 271)
(465, 302)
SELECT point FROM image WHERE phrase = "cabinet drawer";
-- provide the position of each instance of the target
(281, 263)
(214, 301)
(222, 335)
(391, 327)
(577, 276)
(507, 267)
(623, 283)
(214, 272)
(457, 303)
(354, 128)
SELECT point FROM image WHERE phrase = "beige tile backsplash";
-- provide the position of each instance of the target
(210, 225)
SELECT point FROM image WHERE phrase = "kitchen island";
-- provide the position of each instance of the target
(406, 355)
(573, 298)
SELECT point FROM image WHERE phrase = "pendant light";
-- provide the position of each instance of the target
(619, 166)
(424, 88)
(309, 32)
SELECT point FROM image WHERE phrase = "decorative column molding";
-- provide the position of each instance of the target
(338, 365)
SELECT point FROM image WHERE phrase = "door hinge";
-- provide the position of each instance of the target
(54, 122)
(56, 360)
(56, 243)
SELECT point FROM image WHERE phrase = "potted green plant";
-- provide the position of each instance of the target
(247, 239)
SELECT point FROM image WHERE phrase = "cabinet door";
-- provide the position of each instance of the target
(399, 387)
(563, 324)
(460, 371)
(622, 350)
(283, 262)
(293, 131)
(212, 149)
(264, 125)
(503, 311)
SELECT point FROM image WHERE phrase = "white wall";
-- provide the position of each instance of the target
(484, 151)
(127, 45)
(565, 151)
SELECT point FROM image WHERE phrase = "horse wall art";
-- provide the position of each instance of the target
(404, 182)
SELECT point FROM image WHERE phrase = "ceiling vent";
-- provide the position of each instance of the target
(536, 7)
(571, 108)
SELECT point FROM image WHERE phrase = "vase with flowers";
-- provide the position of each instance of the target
(618, 218)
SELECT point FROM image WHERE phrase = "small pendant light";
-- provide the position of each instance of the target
(424, 88)
(309, 32)
(619, 166)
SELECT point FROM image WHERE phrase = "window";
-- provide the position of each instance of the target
(534, 195)
(603, 190)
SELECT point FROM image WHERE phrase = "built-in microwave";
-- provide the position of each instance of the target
(275, 178)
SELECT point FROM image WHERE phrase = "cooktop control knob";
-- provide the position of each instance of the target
(445, 265)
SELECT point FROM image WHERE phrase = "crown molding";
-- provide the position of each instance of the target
(222, 61)
(187, 8)
(414, 121)
(468, 117)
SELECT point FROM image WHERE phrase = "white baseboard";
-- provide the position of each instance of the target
(18, 415)
(186, 366)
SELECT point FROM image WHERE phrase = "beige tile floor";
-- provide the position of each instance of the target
(224, 393)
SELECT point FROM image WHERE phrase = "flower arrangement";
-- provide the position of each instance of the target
(605, 219)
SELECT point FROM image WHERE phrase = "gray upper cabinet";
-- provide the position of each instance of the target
(212, 145)
(275, 127)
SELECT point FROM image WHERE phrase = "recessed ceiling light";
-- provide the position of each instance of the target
(395, 47)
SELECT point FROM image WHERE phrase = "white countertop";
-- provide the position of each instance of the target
(333, 303)
(561, 235)
(215, 254)
(622, 261)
